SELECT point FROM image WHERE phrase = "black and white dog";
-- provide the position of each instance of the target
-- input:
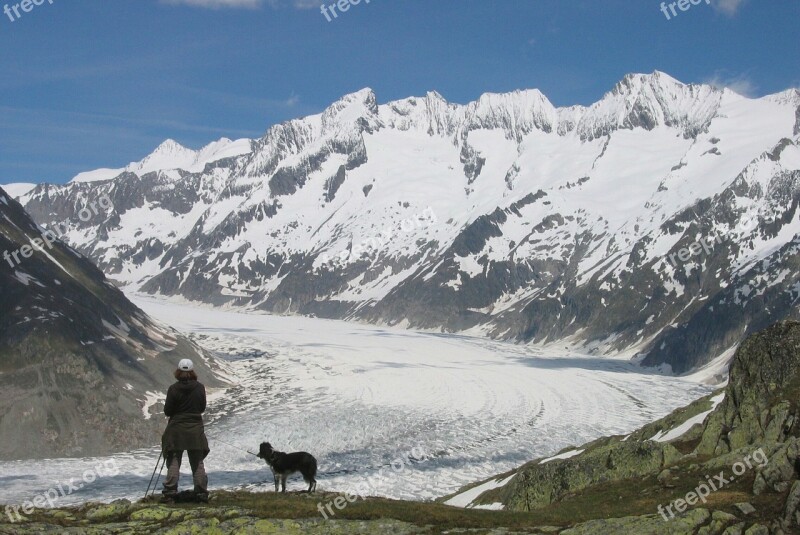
(285, 464)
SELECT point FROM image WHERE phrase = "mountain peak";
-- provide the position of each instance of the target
(789, 96)
(363, 97)
(636, 82)
(651, 100)
(170, 146)
(350, 110)
(435, 95)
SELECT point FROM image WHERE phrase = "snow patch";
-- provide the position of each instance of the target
(682, 429)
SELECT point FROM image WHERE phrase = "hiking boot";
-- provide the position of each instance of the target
(168, 498)
(201, 497)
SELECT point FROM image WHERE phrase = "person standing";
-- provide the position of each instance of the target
(185, 405)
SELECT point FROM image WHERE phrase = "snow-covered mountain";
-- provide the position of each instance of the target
(506, 216)
(172, 156)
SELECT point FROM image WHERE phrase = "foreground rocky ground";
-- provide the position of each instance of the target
(373, 517)
(256, 514)
(725, 465)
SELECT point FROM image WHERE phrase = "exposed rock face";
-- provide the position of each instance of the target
(652, 525)
(538, 485)
(77, 359)
(761, 401)
(550, 224)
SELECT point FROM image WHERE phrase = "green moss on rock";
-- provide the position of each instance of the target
(687, 524)
(538, 485)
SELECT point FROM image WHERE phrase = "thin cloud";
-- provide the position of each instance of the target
(239, 101)
(91, 123)
(216, 4)
(243, 4)
(740, 84)
(728, 7)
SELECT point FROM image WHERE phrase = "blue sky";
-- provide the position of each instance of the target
(99, 83)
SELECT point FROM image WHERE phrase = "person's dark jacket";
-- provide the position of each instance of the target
(185, 397)
(185, 405)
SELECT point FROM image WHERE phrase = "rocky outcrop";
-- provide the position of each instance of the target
(761, 401)
(542, 483)
(78, 361)
(652, 525)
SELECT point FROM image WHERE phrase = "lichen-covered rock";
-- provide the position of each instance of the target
(719, 523)
(195, 526)
(537, 485)
(665, 476)
(758, 407)
(319, 527)
(63, 515)
(160, 520)
(757, 529)
(157, 513)
(790, 509)
(106, 511)
(780, 471)
(738, 529)
(687, 524)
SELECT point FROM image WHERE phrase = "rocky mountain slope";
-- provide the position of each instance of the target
(661, 220)
(80, 365)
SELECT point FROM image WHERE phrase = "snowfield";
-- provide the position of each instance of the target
(359, 397)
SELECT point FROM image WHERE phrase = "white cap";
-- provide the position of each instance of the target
(186, 365)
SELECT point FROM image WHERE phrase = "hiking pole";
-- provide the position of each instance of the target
(161, 454)
(159, 474)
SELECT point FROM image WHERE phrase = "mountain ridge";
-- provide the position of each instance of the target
(632, 91)
(553, 224)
